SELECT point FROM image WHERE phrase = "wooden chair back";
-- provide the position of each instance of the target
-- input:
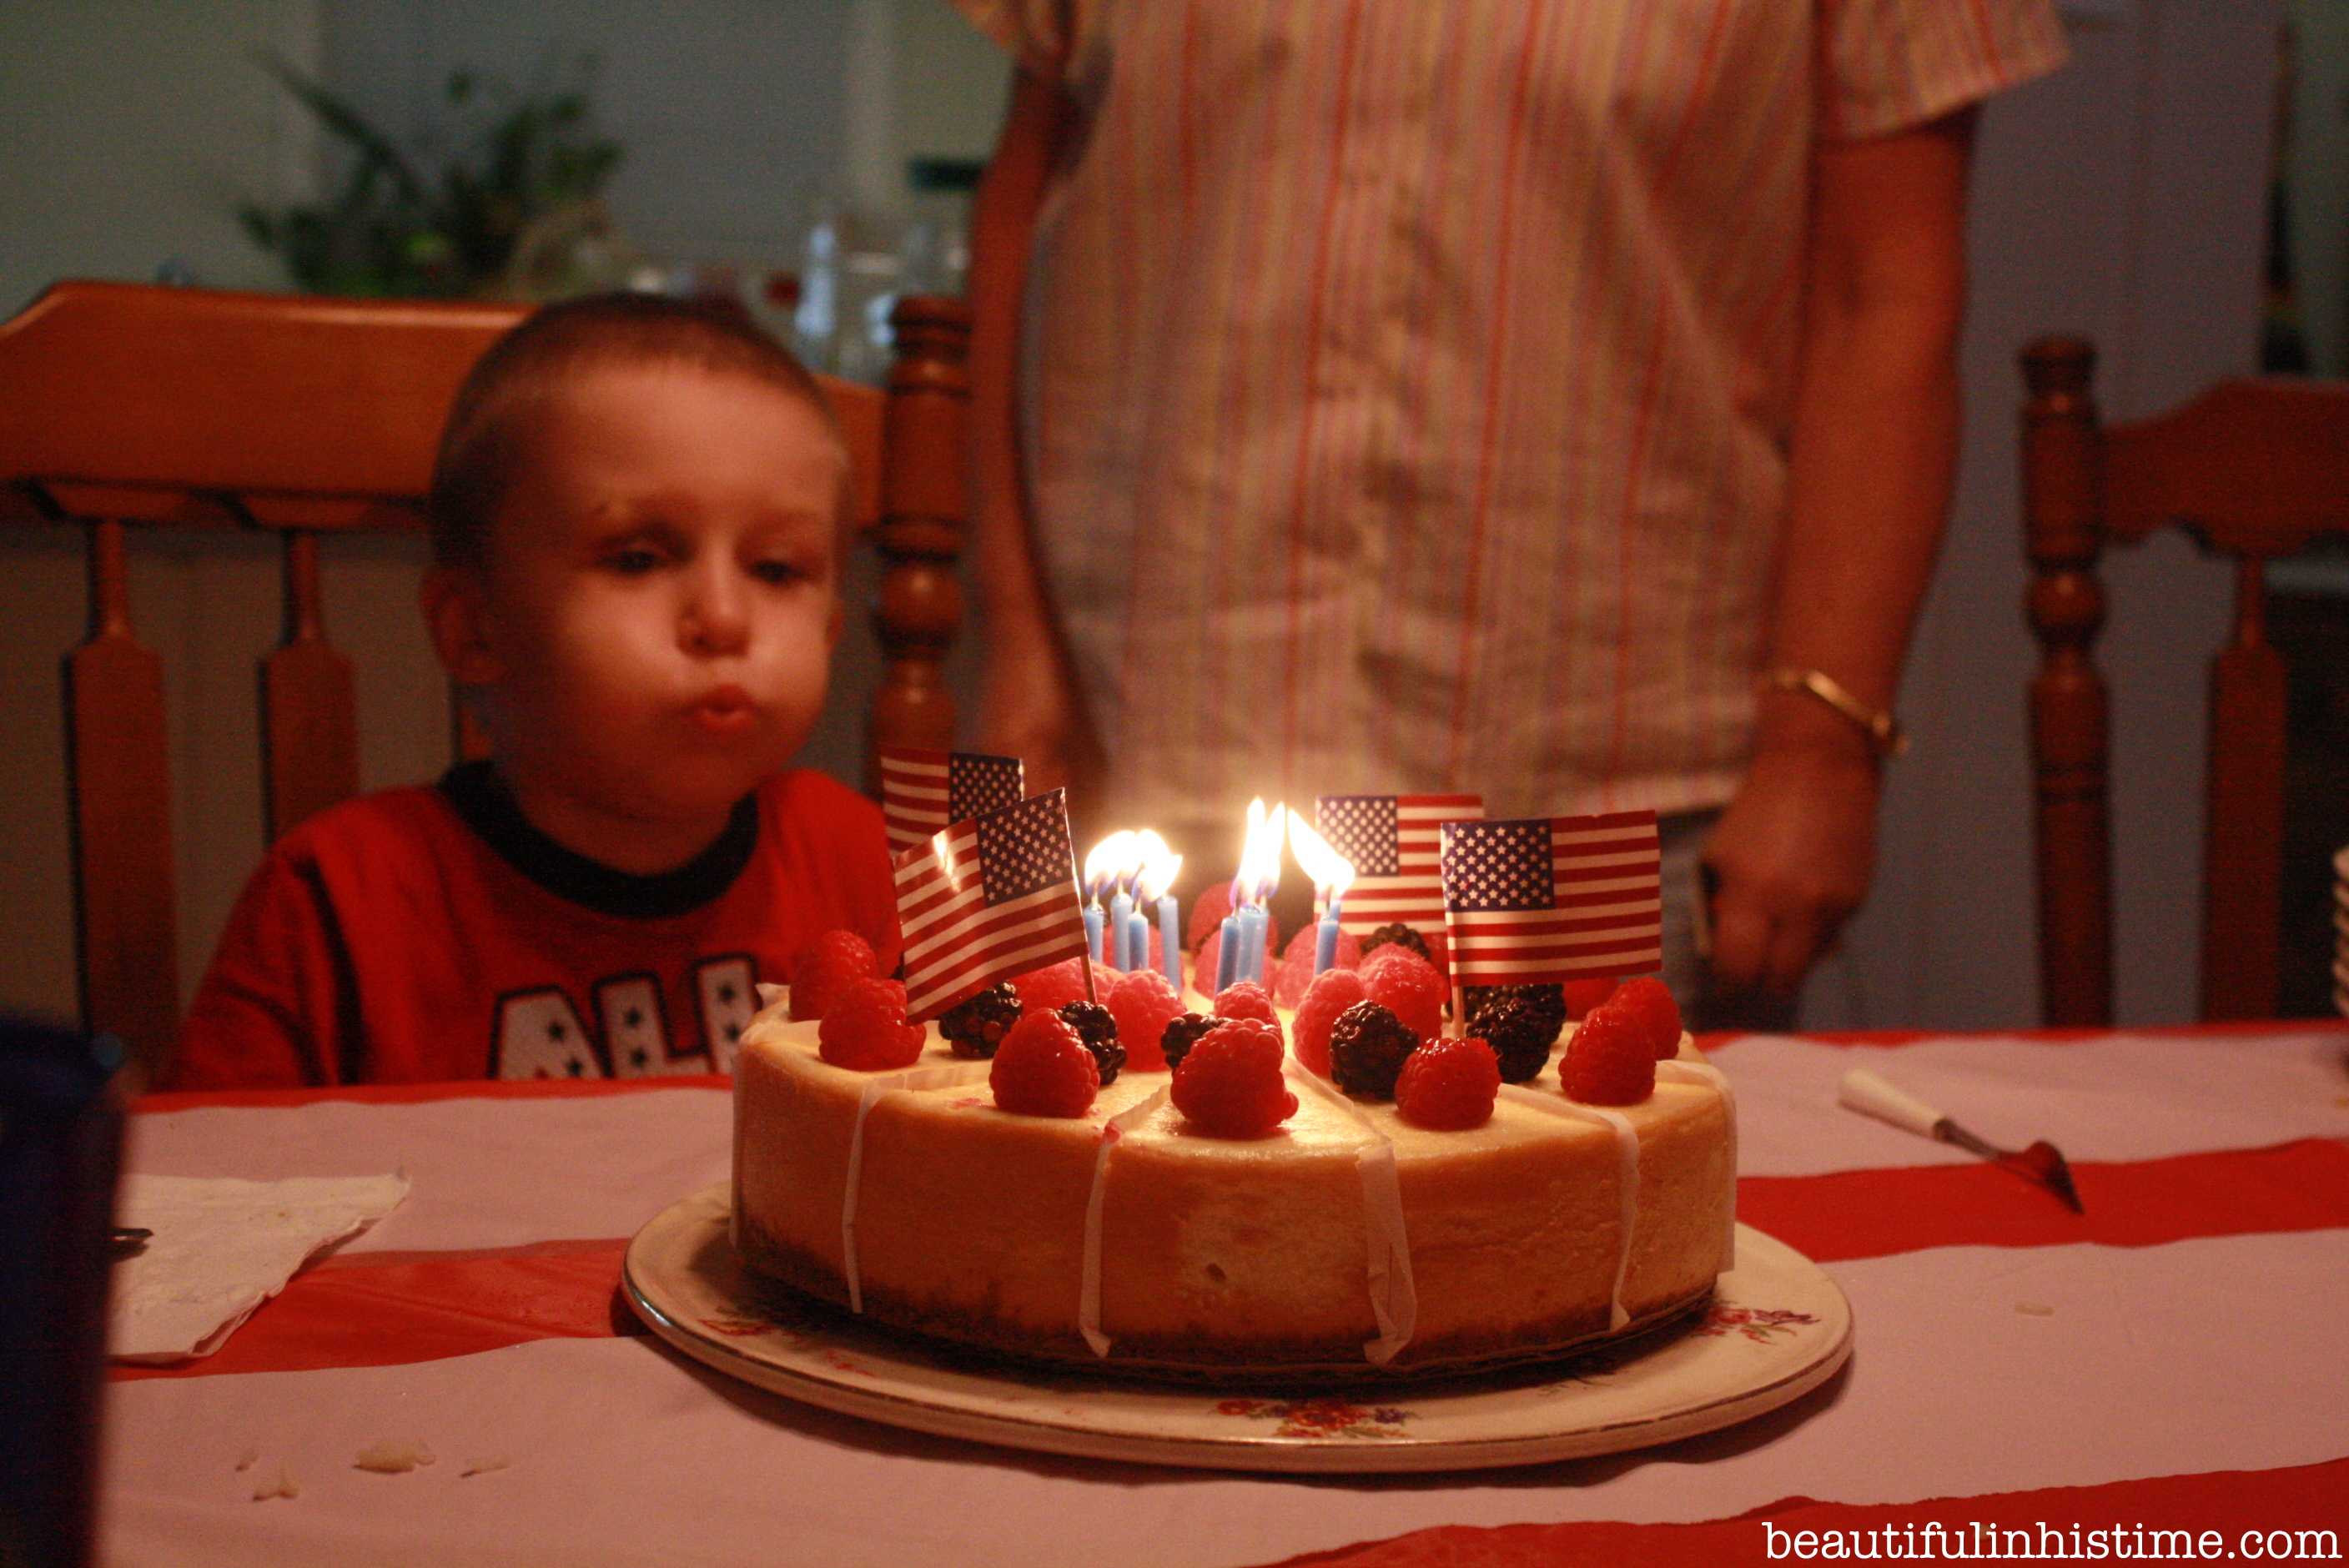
(129, 406)
(2253, 470)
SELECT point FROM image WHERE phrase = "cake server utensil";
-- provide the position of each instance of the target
(1865, 1092)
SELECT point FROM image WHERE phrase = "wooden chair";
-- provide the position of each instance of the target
(2253, 470)
(124, 405)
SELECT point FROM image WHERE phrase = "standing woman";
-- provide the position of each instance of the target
(1550, 398)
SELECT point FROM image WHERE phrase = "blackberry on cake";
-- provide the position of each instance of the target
(1547, 999)
(1368, 1045)
(1520, 1033)
(1397, 934)
(974, 1026)
(1096, 1026)
(1183, 1032)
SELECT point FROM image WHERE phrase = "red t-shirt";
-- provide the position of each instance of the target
(430, 934)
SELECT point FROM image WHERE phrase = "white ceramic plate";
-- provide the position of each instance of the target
(1778, 1328)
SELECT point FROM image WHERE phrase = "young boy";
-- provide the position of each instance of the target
(637, 516)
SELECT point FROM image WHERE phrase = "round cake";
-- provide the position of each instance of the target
(1348, 1241)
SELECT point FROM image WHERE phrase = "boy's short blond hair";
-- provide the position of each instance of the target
(487, 435)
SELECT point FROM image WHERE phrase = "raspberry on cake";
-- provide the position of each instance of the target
(1247, 999)
(865, 1029)
(1332, 991)
(1043, 1069)
(1649, 1002)
(1408, 986)
(1144, 1003)
(1581, 996)
(1229, 1083)
(1609, 1061)
(1448, 1084)
(827, 967)
(1056, 984)
(1296, 974)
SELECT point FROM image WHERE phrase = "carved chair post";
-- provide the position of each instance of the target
(2070, 746)
(924, 505)
(118, 782)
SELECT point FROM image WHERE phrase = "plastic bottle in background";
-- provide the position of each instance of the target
(815, 319)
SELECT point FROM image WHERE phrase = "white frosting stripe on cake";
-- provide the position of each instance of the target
(953, 1074)
(1705, 1072)
(1395, 1297)
(1089, 1289)
(1627, 1152)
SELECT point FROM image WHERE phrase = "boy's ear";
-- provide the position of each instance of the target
(456, 619)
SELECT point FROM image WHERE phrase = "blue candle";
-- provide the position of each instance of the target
(1137, 941)
(1170, 943)
(1121, 944)
(1094, 931)
(1251, 965)
(1228, 951)
(1325, 940)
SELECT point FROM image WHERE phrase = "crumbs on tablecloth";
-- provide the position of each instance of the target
(2034, 1309)
(485, 1463)
(393, 1457)
(283, 1486)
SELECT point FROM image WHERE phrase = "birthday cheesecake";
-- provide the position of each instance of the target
(1344, 1239)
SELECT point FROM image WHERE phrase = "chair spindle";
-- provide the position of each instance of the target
(120, 779)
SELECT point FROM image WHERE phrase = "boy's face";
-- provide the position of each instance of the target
(655, 622)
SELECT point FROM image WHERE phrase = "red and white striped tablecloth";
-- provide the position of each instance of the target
(2176, 1360)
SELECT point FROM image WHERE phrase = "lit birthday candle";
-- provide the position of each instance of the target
(1131, 941)
(1101, 864)
(1230, 965)
(1332, 874)
(1260, 876)
(1159, 869)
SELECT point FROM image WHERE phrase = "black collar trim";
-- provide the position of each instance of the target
(481, 798)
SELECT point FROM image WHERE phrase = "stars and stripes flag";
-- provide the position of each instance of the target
(1553, 898)
(986, 899)
(1392, 842)
(923, 790)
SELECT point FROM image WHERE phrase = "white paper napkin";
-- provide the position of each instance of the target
(221, 1247)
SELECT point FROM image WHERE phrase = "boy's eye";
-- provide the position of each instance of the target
(633, 561)
(780, 572)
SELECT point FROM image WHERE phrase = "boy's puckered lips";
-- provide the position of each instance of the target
(726, 710)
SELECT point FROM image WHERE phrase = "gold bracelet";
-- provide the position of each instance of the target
(1884, 731)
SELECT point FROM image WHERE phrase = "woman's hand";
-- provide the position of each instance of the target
(1792, 855)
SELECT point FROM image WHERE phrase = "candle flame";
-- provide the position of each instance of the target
(1106, 861)
(1240, 884)
(1260, 872)
(1331, 872)
(1159, 867)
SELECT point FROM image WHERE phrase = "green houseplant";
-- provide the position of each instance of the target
(513, 209)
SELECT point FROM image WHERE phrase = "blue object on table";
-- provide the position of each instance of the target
(60, 1148)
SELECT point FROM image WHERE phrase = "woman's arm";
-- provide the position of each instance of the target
(1875, 447)
(1028, 704)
